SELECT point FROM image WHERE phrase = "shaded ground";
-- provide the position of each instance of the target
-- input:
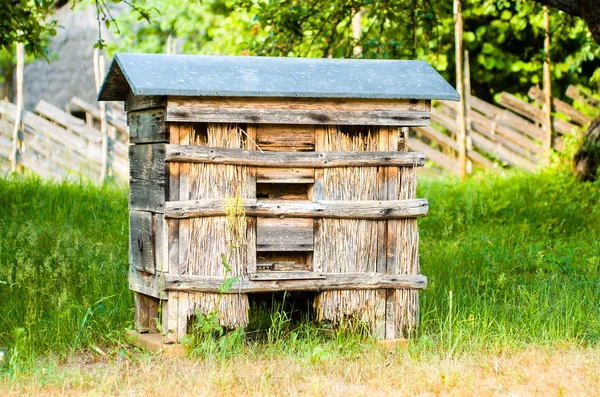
(567, 371)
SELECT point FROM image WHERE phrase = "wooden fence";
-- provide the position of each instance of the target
(56, 144)
(509, 133)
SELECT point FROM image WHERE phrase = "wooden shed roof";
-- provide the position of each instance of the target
(238, 76)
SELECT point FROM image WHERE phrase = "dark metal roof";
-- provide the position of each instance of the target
(232, 76)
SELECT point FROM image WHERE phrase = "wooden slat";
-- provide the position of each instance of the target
(507, 118)
(286, 275)
(444, 120)
(68, 121)
(302, 103)
(560, 106)
(285, 175)
(391, 209)
(141, 102)
(147, 284)
(147, 126)
(580, 96)
(505, 133)
(288, 234)
(78, 103)
(330, 282)
(439, 158)
(528, 110)
(251, 259)
(148, 177)
(281, 116)
(438, 137)
(500, 152)
(281, 137)
(253, 158)
(141, 241)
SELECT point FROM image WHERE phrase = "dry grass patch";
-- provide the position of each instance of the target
(563, 371)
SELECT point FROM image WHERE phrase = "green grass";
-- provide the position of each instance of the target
(512, 261)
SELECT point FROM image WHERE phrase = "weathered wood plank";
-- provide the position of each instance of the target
(331, 282)
(152, 314)
(283, 116)
(281, 137)
(507, 118)
(582, 97)
(288, 234)
(302, 103)
(147, 126)
(497, 150)
(530, 111)
(185, 138)
(438, 137)
(147, 177)
(140, 312)
(382, 195)
(392, 181)
(315, 193)
(68, 121)
(215, 155)
(286, 275)
(285, 175)
(171, 327)
(147, 284)
(251, 259)
(141, 241)
(337, 209)
(142, 102)
(288, 191)
(173, 224)
(447, 163)
(575, 115)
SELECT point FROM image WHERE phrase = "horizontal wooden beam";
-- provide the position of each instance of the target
(193, 114)
(391, 209)
(255, 158)
(317, 282)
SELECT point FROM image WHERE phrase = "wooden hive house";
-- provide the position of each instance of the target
(296, 170)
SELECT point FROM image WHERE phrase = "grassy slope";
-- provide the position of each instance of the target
(519, 253)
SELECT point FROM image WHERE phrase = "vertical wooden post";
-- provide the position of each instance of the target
(356, 19)
(462, 141)
(16, 138)
(98, 75)
(547, 83)
(467, 103)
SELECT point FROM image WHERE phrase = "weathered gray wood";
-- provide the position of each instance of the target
(281, 137)
(141, 102)
(140, 309)
(141, 241)
(447, 163)
(68, 121)
(337, 209)
(94, 111)
(499, 151)
(147, 177)
(173, 224)
(289, 234)
(147, 284)
(285, 175)
(528, 110)
(507, 118)
(297, 275)
(560, 106)
(147, 126)
(161, 241)
(382, 194)
(253, 158)
(582, 97)
(332, 281)
(438, 137)
(282, 116)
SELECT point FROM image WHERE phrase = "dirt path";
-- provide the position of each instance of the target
(562, 372)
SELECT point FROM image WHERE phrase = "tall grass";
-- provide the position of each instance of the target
(512, 260)
(63, 266)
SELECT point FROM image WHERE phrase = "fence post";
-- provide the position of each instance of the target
(547, 83)
(98, 74)
(16, 137)
(356, 30)
(462, 134)
(467, 103)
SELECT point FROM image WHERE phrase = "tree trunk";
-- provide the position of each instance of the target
(587, 159)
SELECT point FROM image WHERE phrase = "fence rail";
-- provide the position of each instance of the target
(56, 144)
(509, 133)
